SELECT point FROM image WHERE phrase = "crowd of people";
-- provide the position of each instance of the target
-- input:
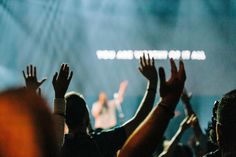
(30, 129)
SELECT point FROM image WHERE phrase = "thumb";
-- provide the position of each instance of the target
(42, 81)
(140, 69)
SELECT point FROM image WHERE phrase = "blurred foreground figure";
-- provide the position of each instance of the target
(26, 125)
(104, 110)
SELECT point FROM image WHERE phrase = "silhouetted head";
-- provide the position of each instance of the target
(26, 125)
(211, 130)
(77, 115)
(226, 121)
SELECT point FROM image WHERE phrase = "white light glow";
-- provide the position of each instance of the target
(139, 53)
(185, 55)
(106, 54)
(175, 54)
(156, 54)
(198, 55)
(125, 55)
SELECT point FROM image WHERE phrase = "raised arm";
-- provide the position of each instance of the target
(201, 140)
(119, 96)
(146, 137)
(184, 125)
(60, 83)
(148, 70)
(186, 97)
(31, 80)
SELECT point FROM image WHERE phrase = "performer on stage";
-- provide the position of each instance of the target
(104, 110)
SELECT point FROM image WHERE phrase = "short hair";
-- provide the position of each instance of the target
(226, 115)
(76, 110)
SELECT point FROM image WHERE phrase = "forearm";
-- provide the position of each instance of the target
(173, 143)
(198, 131)
(147, 101)
(188, 109)
(59, 119)
(145, 138)
(144, 108)
(201, 139)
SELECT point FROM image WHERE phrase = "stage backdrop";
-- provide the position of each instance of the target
(47, 33)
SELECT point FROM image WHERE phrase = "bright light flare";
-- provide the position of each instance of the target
(156, 54)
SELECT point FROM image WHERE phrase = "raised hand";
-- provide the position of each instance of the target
(194, 121)
(187, 122)
(62, 80)
(147, 68)
(123, 86)
(171, 90)
(30, 77)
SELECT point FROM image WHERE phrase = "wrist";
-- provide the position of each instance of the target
(152, 86)
(59, 96)
(59, 106)
(171, 101)
(165, 107)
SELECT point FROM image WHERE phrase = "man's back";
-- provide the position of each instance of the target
(80, 145)
(102, 144)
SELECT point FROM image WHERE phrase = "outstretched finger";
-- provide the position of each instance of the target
(42, 81)
(35, 72)
(140, 69)
(27, 70)
(190, 119)
(148, 60)
(67, 69)
(173, 67)
(162, 77)
(141, 62)
(31, 70)
(153, 62)
(62, 68)
(70, 77)
(144, 60)
(24, 74)
(182, 73)
(54, 78)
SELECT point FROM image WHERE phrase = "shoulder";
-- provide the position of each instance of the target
(110, 141)
(111, 134)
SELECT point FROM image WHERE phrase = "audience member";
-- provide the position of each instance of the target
(104, 110)
(81, 142)
(60, 83)
(174, 144)
(225, 126)
(199, 142)
(146, 137)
